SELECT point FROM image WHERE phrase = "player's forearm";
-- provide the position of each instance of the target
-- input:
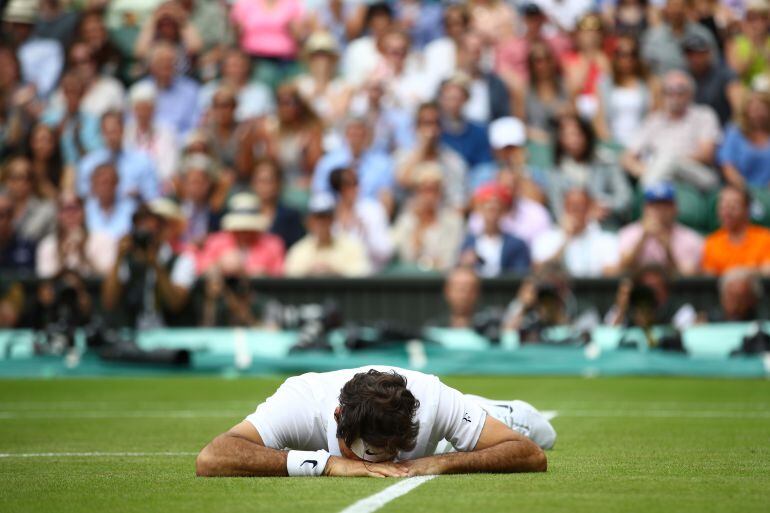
(232, 456)
(506, 457)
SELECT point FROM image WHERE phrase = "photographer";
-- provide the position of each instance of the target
(149, 283)
(231, 301)
(63, 305)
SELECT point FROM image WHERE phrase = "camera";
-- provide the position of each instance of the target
(142, 239)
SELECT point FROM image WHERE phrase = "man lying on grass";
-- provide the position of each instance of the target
(379, 422)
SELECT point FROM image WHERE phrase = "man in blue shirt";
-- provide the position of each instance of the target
(375, 168)
(467, 138)
(106, 211)
(177, 101)
(137, 173)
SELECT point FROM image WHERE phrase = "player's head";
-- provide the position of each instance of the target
(375, 419)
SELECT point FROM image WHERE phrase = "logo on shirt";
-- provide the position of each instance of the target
(313, 462)
(467, 418)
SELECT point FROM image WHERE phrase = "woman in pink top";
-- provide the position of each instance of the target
(244, 238)
(269, 28)
(586, 67)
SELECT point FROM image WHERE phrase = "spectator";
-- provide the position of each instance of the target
(512, 54)
(101, 93)
(328, 95)
(678, 142)
(216, 32)
(33, 215)
(17, 254)
(662, 43)
(494, 252)
(427, 234)
(177, 100)
(579, 245)
(587, 66)
(144, 132)
(462, 290)
(362, 54)
(78, 131)
(404, 81)
(538, 306)
(493, 20)
(322, 252)
(18, 103)
(361, 218)
(271, 32)
(422, 20)
(136, 171)
(716, 85)
(740, 297)
(645, 300)
(224, 133)
(467, 138)
(748, 52)
(627, 96)
(373, 167)
(542, 99)
(738, 243)
(196, 195)
(55, 20)
(391, 126)
(745, 154)
(429, 150)
(440, 55)
(580, 164)
(149, 284)
(566, 15)
(45, 156)
(42, 60)
(254, 98)
(284, 221)
(11, 300)
(72, 246)
(244, 233)
(628, 17)
(293, 138)
(93, 32)
(488, 97)
(526, 217)
(170, 23)
(658, 239)
(107, 211)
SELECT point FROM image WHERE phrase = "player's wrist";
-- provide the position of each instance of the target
(306, 463)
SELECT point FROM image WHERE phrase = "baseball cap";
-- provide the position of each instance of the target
(21, 11)
(492, 190)
(321, 203)
(507, 131)
(695, 43)
(321, 41)
(660, 192)
(166, 208)
(531, 9)
(243, 214)
(142, 92)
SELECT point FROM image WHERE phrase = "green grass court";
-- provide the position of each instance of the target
(625, 444)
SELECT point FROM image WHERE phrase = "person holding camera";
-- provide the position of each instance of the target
(149, 282)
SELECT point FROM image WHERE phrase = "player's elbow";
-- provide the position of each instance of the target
(538, 462)
(205, 463)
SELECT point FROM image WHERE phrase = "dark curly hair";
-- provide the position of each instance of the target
(378, 408)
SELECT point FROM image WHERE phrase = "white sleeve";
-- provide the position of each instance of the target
(183, 272)
(286, 419)
(459, 419)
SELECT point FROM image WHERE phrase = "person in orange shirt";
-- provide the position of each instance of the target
(738, 243)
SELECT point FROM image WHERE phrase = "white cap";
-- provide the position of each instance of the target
(507, 131)
(321, 203)
(142, 92)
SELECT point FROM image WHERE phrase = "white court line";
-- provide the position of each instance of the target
(378, 500)
(90, 454)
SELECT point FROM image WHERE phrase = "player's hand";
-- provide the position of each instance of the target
(344, 467)
(429, 466)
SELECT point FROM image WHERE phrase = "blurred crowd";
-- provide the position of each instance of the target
(157, 144)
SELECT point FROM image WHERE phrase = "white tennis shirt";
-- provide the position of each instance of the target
(300, 415)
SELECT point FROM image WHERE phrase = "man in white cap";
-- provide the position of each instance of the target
(526, 218)
(322, 253)
(379, 422)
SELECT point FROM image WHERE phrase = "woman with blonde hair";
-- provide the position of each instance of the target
(745, 152)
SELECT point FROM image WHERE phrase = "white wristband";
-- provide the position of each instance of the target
(306, 463)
